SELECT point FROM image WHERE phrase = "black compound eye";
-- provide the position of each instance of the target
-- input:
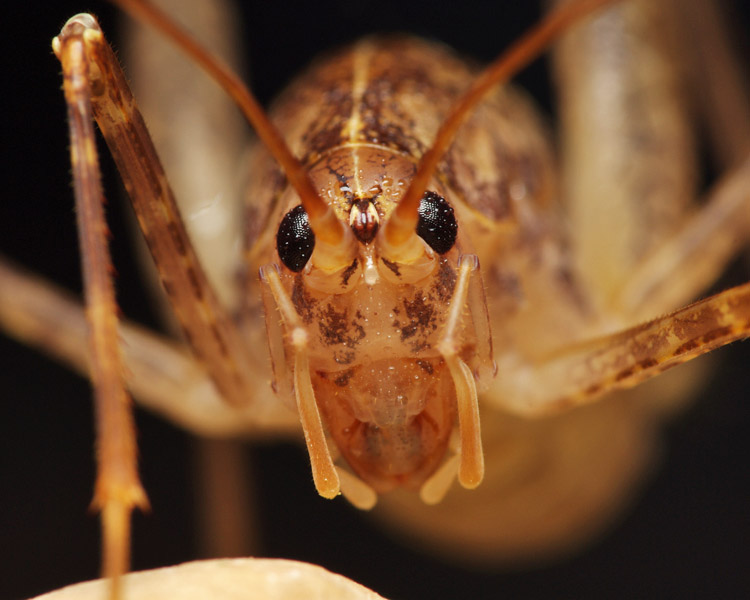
(295, 239)
(437, 224)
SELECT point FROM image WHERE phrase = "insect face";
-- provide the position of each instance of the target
(374, 325)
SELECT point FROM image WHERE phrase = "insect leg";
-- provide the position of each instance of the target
(682, 266)
(118, 488)
(207, 326)
(716, 77)
(688, 262)
(628, 152)
(583, 372)
(201, 139)
(160, 374)
(198, 132)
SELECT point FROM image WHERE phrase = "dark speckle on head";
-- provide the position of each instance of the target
(346, 275)
(422, 322)
(336, 328)
(342, 380)
(392, 266)
(333, 325)
(302, 301)
(344, 357)
(445, 281)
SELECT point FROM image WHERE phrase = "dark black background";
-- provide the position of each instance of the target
(689, 534)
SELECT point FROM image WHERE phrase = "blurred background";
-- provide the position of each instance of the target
(688, 535)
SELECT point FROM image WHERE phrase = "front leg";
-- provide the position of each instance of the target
(585, 371)
(118, 488)
(95, 88)
(208, 328)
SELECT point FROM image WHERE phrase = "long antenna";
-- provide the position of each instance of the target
(402, 224)
(323, 220)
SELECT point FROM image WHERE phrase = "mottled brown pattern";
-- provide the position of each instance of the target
(194, 283)
(392, 266)
(379, 130)
(685, 325)
(340, 169)
(328, 133)
(328, 93)
(303, 302)
(500, 162)
(626, 374)
(647, 363)
(400, 77)
(716, 334)
(422, 322)
(333, 326)
(343, 379)
(179, 242)
(687, 346)
(703, 340)
(346, 275)
(336, 328)
(344, 357)
(499, 158)
(445, 281)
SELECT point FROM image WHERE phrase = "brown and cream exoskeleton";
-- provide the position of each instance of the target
(355, 326)
(400, 173)
(385, 340)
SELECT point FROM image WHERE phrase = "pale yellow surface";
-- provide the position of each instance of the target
(225, 579)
